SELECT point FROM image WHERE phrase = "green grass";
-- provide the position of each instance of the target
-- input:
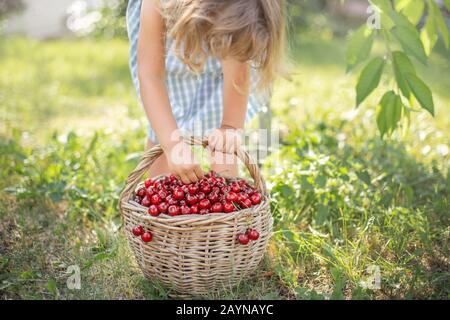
(343, 200)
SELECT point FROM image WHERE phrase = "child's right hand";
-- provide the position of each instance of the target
(183, 163)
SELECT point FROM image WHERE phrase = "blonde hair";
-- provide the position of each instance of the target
(246, 30)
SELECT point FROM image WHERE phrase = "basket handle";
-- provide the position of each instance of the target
(153, 153)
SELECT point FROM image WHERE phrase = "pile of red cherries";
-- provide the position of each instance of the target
(212, 194)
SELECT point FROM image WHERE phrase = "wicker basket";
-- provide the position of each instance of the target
(196, 254)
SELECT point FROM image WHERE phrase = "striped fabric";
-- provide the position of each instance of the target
(196, 99)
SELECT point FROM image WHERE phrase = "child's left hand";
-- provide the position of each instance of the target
(225, 140)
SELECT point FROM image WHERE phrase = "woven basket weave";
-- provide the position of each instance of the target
(196, 254)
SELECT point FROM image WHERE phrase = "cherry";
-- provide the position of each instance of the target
(201, 196)
(228, 207)
(182, 202)
(147, 236)
(153, 210)
(151, 191)
(155, 199)
(162, 207)
(213, 197)
(193, 188)
(142, 192)
(185, 210)
(212, 181)
(255, 198)
(231, 197)
(191, 199)
(252, 234)
(235, 188)
(241, 197)
(146, 202)
(148, 182)
(194, 209)
(205, 187)
(243, 238)
(217, 207)
(137, 199)
(138, 230)
(204, 211)
(170, 200)
(173, 210)
(204, 204)
(178, 194)
(247, 203)
(173, 178)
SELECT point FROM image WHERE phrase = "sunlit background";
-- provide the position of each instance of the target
(344, 199)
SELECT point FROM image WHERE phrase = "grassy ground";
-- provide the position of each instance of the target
(344, 201)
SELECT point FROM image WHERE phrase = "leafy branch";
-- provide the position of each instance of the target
(398, 26)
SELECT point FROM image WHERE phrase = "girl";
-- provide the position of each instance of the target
(194, 64)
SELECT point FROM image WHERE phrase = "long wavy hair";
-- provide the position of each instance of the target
(250, 31)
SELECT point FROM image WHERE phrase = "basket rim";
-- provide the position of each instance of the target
(141, 211)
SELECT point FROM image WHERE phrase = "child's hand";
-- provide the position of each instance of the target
(225, 140)
(183, 163)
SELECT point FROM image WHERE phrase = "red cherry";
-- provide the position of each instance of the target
(148, 182)
(205, 187)
(201, 196)
(194, 209)
(242, 182)
(153, 210)
(204, 204)
(235, 188)
(204, 211)
(162, 207)
(185, 210)
(212, 181)
(213, 197)
(252, 234)
(173, 178)
(217, 207)
(193, 189)
(178, 194)
(162, 194)
(247, 203)
(255, 198)
(241, 197)
(243, 239)
(151, 191)
(147, 236)
(155, 199)
(231, 197)
(141, 192)
(228, 207)
(191, 199)
(138, 230)
(173, 210)
(146, 202)
(170, 200)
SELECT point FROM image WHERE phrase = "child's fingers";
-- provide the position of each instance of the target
(198, 172)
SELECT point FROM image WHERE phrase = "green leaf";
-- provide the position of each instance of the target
(389, 112)
(369, 79)
(385, 9)
(447, 4)
(409, 39)
(429, 36)
(383, 5)
(402, 64)
(364, 177)
(359, 46)
(412, 9)
(436, 12)
(421, 91)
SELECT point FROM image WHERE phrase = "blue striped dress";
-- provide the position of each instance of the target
(196, 99)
